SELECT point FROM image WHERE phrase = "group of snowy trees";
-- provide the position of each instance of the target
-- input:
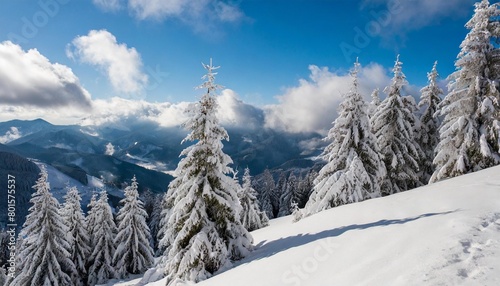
(58, 245)
(201, 225)
(391, 146)
(279, 197)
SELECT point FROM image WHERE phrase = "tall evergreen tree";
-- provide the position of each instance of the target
(154, 222)
(74, 219)
(251, 216)
(203, 231)
(287, 195)
(354, 169)
(469, 134)
(90, 219)
(394, 126)
(266, 193)
(428, 137)
(372, 107)
(304, 187)
(101, 267)
(45, 250)
(133, 254)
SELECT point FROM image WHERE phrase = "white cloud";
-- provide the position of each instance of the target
(122, 65)
(123, 113)
(234, 112)
(312, 105)
(29, 79)
(10, 135)
(406, 15)
(108, 5)
(202, 15)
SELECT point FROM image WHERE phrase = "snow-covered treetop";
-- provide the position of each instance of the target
(431, 92)
(398, 81)
(376, 97)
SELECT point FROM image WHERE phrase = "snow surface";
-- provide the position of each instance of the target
(447, 233)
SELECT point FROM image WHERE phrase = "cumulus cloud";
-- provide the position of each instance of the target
(312, 105)
(122, 65)
(408, 15)
(236, 113)
(29, 79)
(124, 113)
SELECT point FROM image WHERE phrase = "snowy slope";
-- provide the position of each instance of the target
(444, 234)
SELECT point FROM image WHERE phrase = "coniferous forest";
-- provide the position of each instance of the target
(380, 144)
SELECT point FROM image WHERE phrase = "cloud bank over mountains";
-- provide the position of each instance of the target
(36, 88)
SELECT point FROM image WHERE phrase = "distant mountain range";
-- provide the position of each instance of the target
(148, 151)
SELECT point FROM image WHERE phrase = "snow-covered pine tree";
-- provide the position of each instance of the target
(203, 232)
(133, 254)
(251, 216)
(296, 212)
(354, 169)
(287, 195)
(428, 137)
(101, 268)
(154, 222)
(45, 250)
(90, 219)
(469, 133)
(304, 187)
(393, 124)
(279, 189)
(372, 107)
(266, 193)
(74, 219)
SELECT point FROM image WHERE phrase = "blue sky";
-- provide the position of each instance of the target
(152, 50)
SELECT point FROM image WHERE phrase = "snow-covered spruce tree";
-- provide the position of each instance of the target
(287, 196)
(296, 212)
(45, 251)
(74, 219)
(251, 216)
(304, 187)
(266, 192)
(354, 169)
(372, 107)
(154, 223)
(428, 136)
(394, 126)
(90, 219)
(469, 133)
(203, 232)
(133, 254)
(101, 268)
